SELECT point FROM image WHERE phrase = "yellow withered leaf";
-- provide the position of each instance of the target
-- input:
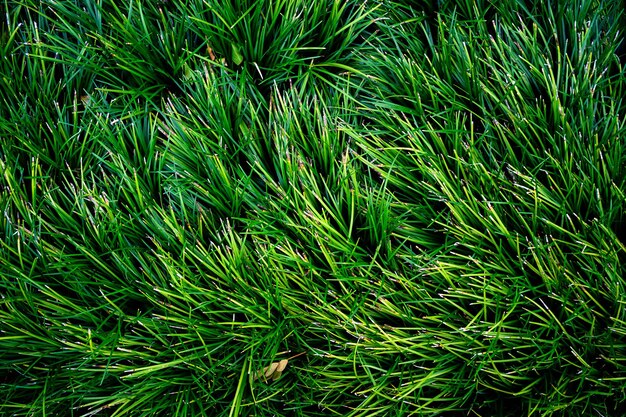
(211, 53)
(273, 371)
(282, 365)
(269, 370)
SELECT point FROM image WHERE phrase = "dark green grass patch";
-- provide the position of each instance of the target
(312, 208)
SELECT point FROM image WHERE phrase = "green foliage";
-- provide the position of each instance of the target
(420, 207)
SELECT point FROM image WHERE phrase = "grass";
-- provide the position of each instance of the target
(420, 206)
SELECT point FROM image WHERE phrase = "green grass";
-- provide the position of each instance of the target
(420, 205)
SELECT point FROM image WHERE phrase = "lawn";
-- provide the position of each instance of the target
(312, 208)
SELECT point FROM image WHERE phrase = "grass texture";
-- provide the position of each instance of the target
(312, 208)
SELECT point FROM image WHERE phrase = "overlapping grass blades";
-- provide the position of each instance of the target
(420, 206)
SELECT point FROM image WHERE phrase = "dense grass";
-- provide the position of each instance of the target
(421, 206)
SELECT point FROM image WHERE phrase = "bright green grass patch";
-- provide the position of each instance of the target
(421, 207)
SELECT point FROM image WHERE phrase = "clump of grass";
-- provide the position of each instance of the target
(409, 209)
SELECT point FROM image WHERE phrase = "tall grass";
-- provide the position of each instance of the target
(410, 208)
